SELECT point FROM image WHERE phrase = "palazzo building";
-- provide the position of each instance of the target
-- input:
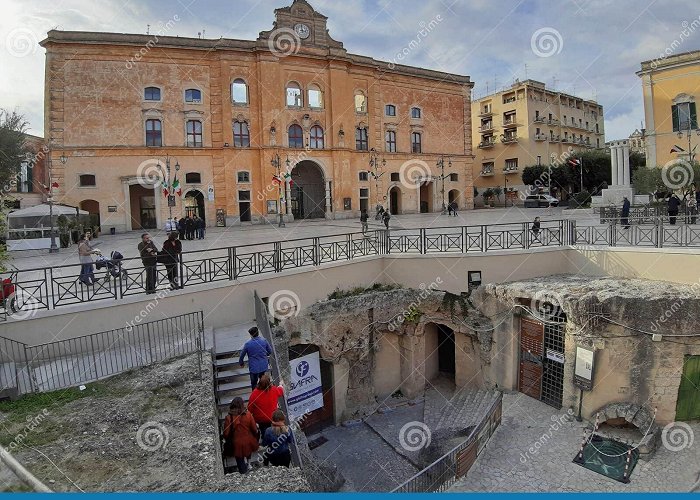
(290, 121)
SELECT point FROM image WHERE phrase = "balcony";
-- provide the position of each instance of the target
(511, 122)
(487, 172)
(510, 170)
(538, 119)
(553, 122)
(488, 127)
(554, 138)
(486, 112)
(487, 144)
(540, 137)
(510, 139)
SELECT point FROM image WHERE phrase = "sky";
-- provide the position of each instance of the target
(589, 48)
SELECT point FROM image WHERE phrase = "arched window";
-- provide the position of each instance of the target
(315, 97)
(296, 136)
(295, 99)
(241, 135)
(361, 140)
(194, 134)
(316, 136)
(151, 94)
(416, 142)
(390, 137)
(390, 110)
(415, 113)
(154, 133)
(239, 91)
(87, 180)
(193, 96)
(360, 102)
(193, 178)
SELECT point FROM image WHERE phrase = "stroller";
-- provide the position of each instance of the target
(8, 297)
(113, 265)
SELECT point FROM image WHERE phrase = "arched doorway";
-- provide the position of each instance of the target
(426, 197)
(395, 201)
(194, 204)
(142, 201)
(453, 195)
(308, 193)
(93, 208)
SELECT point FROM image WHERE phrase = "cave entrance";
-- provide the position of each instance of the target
(323, 417)
(439, 351)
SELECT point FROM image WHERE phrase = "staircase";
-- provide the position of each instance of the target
(230, 379)
(467, 407)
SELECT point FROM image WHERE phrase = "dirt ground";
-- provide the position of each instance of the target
(151, 429)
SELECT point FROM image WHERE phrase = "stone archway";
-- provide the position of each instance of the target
(395, 200)
(308, 191)
(93, 208)
(453, 195)
(194, 204)
(426, 194)
(615, 416)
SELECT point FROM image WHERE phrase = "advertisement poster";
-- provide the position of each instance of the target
(305, 393)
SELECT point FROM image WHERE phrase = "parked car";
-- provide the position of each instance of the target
(540, 201)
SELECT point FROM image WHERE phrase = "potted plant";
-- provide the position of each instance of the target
(487, 194)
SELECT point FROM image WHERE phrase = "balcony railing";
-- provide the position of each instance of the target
(538, 119)
(509, 140)
(486, 128)
(487, 144)
(487, 172)
(510, 170)
(540, 137)
(486, 112)
(552, 121)
(511, 122)
(554, 138)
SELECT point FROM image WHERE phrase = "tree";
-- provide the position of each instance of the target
(476, 192)
(497, 191)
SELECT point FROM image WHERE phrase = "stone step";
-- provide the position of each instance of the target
(466, 408)
(233, 387)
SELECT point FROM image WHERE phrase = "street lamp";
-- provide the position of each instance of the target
(375, 161)
(441, 165)
(276, 162)
(171, 196)
(54, 247)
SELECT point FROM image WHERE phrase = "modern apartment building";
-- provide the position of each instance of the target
(528, 124)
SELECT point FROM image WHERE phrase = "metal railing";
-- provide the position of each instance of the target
(454, 464)
(263, 323)
(641, 231)
(71, 362)
(55, 287)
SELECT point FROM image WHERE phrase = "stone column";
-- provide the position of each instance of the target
(620, 165)
(287, 197)
(613, 161)
(328, 199)
(626, 164)
(127, 205)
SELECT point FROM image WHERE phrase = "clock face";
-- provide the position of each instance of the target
(302, 30)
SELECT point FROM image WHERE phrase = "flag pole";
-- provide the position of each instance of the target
(580, 160)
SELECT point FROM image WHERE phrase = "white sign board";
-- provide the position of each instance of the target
(305, 393)
(210, 193)
(583, 371)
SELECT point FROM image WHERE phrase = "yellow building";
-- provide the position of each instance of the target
(289, 123)
(671, 87)
(528, 124)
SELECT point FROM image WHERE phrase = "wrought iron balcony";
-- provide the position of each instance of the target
(540, 137)
(487, 144)
(509, 140)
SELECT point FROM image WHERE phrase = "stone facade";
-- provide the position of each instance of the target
(241, 95)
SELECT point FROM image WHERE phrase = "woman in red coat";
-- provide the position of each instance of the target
(264, 401)
(241, 434)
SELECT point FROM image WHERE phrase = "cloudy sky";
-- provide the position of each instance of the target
(589, 48)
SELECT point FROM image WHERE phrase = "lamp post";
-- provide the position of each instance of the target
(441, 164)
(54, 247)
(276, 162)
(171, 196)
(375, 161)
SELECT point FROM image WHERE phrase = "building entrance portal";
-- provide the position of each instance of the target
(143, 207)
(446, 350)
(194, 204)
(308, 193)
(426, 197)
(395, 201)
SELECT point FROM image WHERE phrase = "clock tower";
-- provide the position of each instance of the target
(303, 25)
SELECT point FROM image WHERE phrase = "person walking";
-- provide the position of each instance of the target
(257, 349)
(149, 258)
(536, 228)
(363, 220)
(181, 224)
(625, 213)
(454, 207)
(201, 226)
(172, 248)
(264, 400)
(189, 228)
(85, 253)
(386, 217)
(691, 203)
(240, 434)
(276, 439)
(674, 204)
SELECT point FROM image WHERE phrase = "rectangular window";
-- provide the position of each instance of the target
(194, 134)
(241, 135)
(512, 164)
(416, 142)
(364, 176)
(243, 177)
(395, 177)
(87, 180)
(539, 160)
(364, 193)
(151, 94)
(361, 140)
(347, 204)
(193, 96)
(243, 195)
(454, 177)
(390, 137)
(684, 116)
(154, 133)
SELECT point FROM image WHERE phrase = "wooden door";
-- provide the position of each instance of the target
(688, 405)
(531, 354)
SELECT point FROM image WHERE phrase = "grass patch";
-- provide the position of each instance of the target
(360, 290)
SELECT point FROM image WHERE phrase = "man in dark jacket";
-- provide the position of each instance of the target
(172, 248)
(189, 228)
(181, 228)
(363, 220)
(625, 213)
(149, 257)
(257, 349)
(674, 203)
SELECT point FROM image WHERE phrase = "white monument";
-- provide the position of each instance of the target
(621, 185)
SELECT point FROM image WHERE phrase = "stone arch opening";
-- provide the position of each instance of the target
(395, 200)
(93, 208)
(628, 422)
(440, 351)
(194, 204)
(308, 191)
(453, 195)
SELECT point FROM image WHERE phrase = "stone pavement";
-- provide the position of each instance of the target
(513, 462)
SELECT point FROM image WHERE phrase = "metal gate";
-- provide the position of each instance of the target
(553, 362)
(688, 405)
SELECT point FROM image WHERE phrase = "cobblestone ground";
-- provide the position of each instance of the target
(513, 462)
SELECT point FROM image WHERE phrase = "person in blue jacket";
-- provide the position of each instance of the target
(257, 350)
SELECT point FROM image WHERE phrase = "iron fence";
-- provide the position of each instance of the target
(652, 232)
(67, 363)
(55, 287)
(454, 464)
